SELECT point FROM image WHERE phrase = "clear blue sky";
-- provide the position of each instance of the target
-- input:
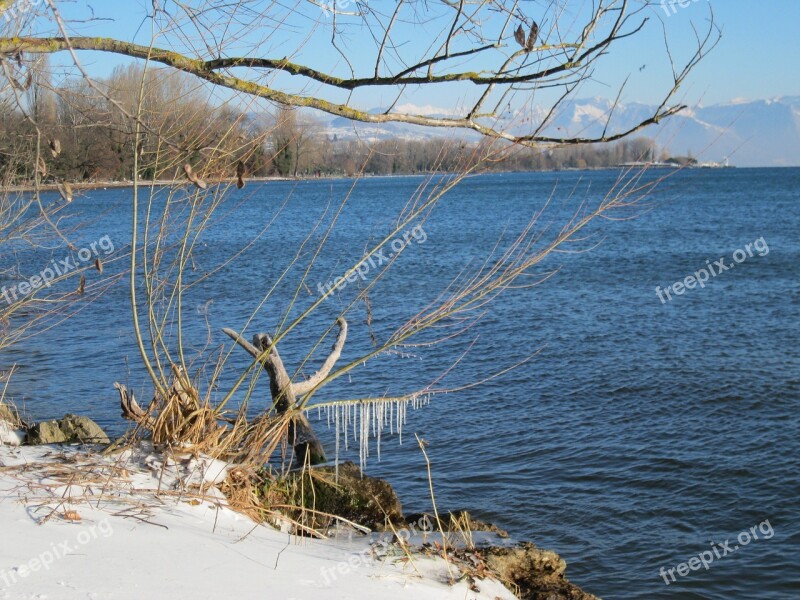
(756, 58)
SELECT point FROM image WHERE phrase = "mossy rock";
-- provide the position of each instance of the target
(8, 414)
(537, 574)
(83, 430)
(47, 432)
(69, 430)
(454, 521)
(365, 500)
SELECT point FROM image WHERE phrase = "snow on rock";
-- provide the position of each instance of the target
(9, 435)
(136, 525)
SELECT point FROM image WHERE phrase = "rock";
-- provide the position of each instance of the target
(7, 414)
(10, 414)
(365, 500)
(537, 574)
(451, 521)
(47, 432)
(69, 430)
(83, 430)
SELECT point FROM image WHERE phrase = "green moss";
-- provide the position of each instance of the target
(368, 501)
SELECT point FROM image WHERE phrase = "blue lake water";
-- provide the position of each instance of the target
(641, 432)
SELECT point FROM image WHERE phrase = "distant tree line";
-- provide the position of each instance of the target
(301, 147)
(96, 142)
(83, 132)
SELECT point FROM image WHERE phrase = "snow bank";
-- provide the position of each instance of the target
(9, 435)
(78, 525)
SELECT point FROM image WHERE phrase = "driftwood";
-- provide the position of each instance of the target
(131, 409)
(285, 393)
(180, 417)
(181, 391)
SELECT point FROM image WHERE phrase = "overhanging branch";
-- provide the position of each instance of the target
(210, 71)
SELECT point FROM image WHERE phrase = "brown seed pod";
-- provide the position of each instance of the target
(55, 147)
(240, 172)
(532, 37)
(187, 168)
(519, 35)
(98, 264)
(65, 190)
(82, 286)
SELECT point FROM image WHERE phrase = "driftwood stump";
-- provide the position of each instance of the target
(285, 393)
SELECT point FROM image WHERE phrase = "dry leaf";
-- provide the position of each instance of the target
(187, 168)
(519, 35)
(65, 190)
(71, 515)
(55, 147)
(82, 286)
(98, 264)
(532, 37)
(240, 171)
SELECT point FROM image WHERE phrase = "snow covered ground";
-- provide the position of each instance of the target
(77, 525)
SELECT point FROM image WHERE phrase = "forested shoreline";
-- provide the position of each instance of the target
(84, 137)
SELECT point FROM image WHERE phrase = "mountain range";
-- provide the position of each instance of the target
(747, 133)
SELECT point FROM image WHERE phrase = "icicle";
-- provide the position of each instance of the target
(369, 419)
(401, 418)
(355, 430)
(336, 417)
(345, 423)
(381, 415)
(364, 439)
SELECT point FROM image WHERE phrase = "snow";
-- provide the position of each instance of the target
(428, 110)
(589, 113)
(9, 435)
(134, 525)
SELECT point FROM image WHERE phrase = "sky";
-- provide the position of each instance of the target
(757, 56)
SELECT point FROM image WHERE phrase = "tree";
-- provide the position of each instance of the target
(293, 141)
(498, 56)
(460, 34)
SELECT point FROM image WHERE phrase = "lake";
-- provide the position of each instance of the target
(645, 432)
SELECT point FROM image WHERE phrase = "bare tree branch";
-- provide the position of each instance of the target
(562, 62)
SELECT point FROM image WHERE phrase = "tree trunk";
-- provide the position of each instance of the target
(304, 440)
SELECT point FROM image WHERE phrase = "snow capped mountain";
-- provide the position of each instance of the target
(747, 132)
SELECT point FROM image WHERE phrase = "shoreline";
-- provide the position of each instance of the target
(99, 185)
(79, 525)
(96, 185)
(132, 522)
